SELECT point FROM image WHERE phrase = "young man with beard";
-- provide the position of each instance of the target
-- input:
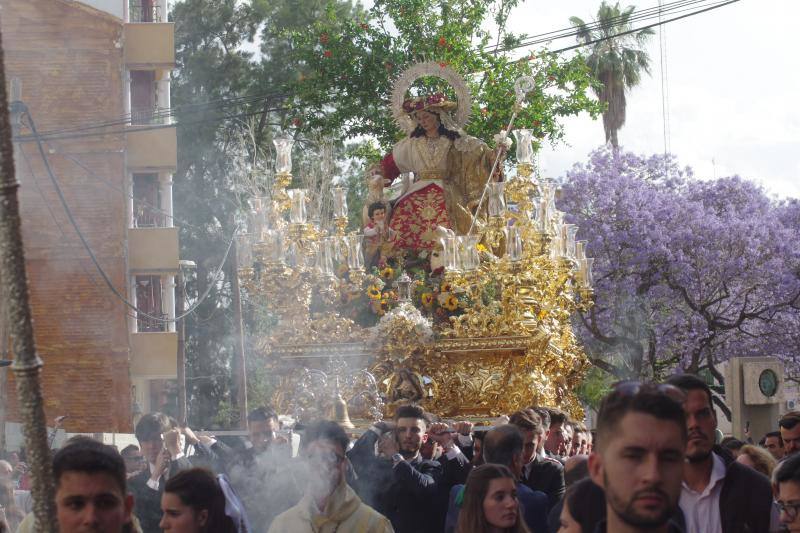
(400, 485)
(718, 495)
(638, 459)
(328, 504)
(540, 472)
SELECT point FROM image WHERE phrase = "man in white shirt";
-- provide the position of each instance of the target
(717, 494)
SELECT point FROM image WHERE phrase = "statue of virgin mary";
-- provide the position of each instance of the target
(450, 167)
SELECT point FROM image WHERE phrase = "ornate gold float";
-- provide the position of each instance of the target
(486, 334)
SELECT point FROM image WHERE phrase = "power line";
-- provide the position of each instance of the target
(693, 13)
(106, 279)
(170, 112)
(27, 138)
(82, 131)
(571, 31)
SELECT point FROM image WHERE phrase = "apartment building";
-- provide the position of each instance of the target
(95, 77)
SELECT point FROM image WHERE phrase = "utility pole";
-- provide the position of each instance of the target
(240, 379)
(181, 375)
(27, 364)
(180, 309)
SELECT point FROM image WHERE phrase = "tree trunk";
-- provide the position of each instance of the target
(27, 364)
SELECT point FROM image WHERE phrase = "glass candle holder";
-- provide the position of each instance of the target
(325, 256)
(297, 213)
(497, 199)
(468, 248)
(513, 243)
(339, 202)
(283, 154)
(524, 140)
(451, 257)
(569, 242)
(355, 253)
(580, 250)
(588, 276)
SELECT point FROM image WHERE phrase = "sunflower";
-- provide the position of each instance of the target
(374, 292)
(387, 273)
(427, 299)
(451, 303)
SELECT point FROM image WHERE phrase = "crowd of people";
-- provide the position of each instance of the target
(653, 463)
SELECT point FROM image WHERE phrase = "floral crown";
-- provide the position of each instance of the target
(436, 101)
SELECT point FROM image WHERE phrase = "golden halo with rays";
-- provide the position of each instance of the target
(435, 70)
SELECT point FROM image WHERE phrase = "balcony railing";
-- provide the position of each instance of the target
(148, 216)
(149, 116)
(152, 323)
(139, 13)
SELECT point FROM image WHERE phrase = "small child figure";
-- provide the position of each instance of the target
(379, 236)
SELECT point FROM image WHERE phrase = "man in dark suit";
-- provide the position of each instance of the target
(540, 472)
(159, 440)
(401, 485)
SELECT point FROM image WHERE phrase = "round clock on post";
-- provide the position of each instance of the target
(768, 383)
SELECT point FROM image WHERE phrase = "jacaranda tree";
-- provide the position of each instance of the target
(688, 273)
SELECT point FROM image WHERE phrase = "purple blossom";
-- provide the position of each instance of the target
(688, 272)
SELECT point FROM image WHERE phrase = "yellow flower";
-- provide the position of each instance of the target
(374, 292)
(481, 248)
(451, 304)
(445, 287)
(387, 273)
(427, 299)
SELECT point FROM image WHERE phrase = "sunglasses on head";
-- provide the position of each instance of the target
(632, 388)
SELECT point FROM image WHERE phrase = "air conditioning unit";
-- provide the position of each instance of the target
(763, 382)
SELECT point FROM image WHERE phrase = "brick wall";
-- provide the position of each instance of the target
(70, 63)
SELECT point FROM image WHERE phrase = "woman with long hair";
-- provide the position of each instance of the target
(490, 502)
(193, 502)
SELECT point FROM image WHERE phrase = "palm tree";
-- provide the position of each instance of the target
(616, 60)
